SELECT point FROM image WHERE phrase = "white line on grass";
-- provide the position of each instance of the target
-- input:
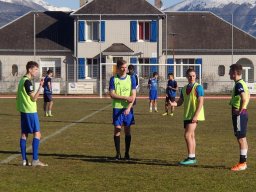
(12, 157)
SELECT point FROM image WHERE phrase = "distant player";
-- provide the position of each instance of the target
(153, 95)
(26, 105)
(122, 88)
(239, 101)
(131, 72)
(171, 89)
(48, 103)
(192, 95)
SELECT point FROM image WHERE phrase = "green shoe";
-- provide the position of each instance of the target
(164, 114)
(171, 114)
(188, 161)
(46, 115)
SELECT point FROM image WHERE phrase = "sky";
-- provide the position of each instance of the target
(74, 4)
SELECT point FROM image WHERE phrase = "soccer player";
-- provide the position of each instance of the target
(153, 85)
(239, 101)
(48, 103)
(171, 89)
(122, 88)
(131, 72)
(26, 105)
(192, 95)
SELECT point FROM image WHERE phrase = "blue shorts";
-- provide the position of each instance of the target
(47, 97)
(29, 123)
(120, 119)
(240, 124)
(153, 95)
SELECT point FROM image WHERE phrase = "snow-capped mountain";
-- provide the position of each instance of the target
(37, 4)
(243, 11)
(12, 9)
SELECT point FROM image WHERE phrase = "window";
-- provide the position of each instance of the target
(14, 70)
(182, 69)
(92, 68)
(53, 64)
(144, 69)
(93, 32)
(221, 70)
(144, 31)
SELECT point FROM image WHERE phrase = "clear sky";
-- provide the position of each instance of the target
(74, 4)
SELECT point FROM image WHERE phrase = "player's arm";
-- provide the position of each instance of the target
(200, 97)
(50, 84)
(244, 101)
(34, 95)
(149, 84)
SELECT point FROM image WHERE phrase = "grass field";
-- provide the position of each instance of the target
(79, 157)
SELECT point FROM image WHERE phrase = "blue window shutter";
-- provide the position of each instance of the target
(197, 68)
(133, 31)
(154, 31)
(81, 68)
(170, 68)
(102, 28)
(133, 60)
(81, 30)
(153, 68)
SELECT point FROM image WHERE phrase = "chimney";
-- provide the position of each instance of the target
(83, 2)
(158, 4)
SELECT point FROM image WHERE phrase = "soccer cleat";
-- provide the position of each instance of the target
(150, 111)
(171, 114)
(127, 156)
(26, 163)
(38, 163)
(118, 157)
(156, 111)
(50, 115)
(188, 161)
(46, 115)
(164, 114)
(239, 167)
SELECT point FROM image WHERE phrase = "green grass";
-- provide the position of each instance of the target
(80, 158)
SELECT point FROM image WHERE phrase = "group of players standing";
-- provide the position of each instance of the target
(123, 93)
(122, 90)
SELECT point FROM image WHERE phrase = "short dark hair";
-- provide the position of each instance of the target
(170, 74)
(49, 71)
(154, 74)
(31, 64)
(237, 67)
(189, 71)
(120, 62)
(131, 67)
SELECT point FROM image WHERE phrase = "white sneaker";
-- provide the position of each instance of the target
(26, 163)
(38, 163)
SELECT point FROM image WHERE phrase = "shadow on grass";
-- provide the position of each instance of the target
(11, 115)
(106, 159)
(61, 121)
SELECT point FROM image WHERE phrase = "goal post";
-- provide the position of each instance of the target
(145, 71)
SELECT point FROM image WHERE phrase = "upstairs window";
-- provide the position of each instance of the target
(93, 30)
(144, 31)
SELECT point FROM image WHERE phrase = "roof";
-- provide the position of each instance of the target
(118, 7)
(54, 32)
(118, 49)
(204, 32)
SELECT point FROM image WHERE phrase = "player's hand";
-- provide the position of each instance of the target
(236, 112)
(129, 99)
(41, 82)
(127, 111)
(194, 120)
(173, 104)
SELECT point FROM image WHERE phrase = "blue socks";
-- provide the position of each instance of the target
(35, 145)
(23, 148)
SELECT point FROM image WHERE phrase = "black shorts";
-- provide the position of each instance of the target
(240, 124)
(186, 122)
(47, 97)
(167, 99)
